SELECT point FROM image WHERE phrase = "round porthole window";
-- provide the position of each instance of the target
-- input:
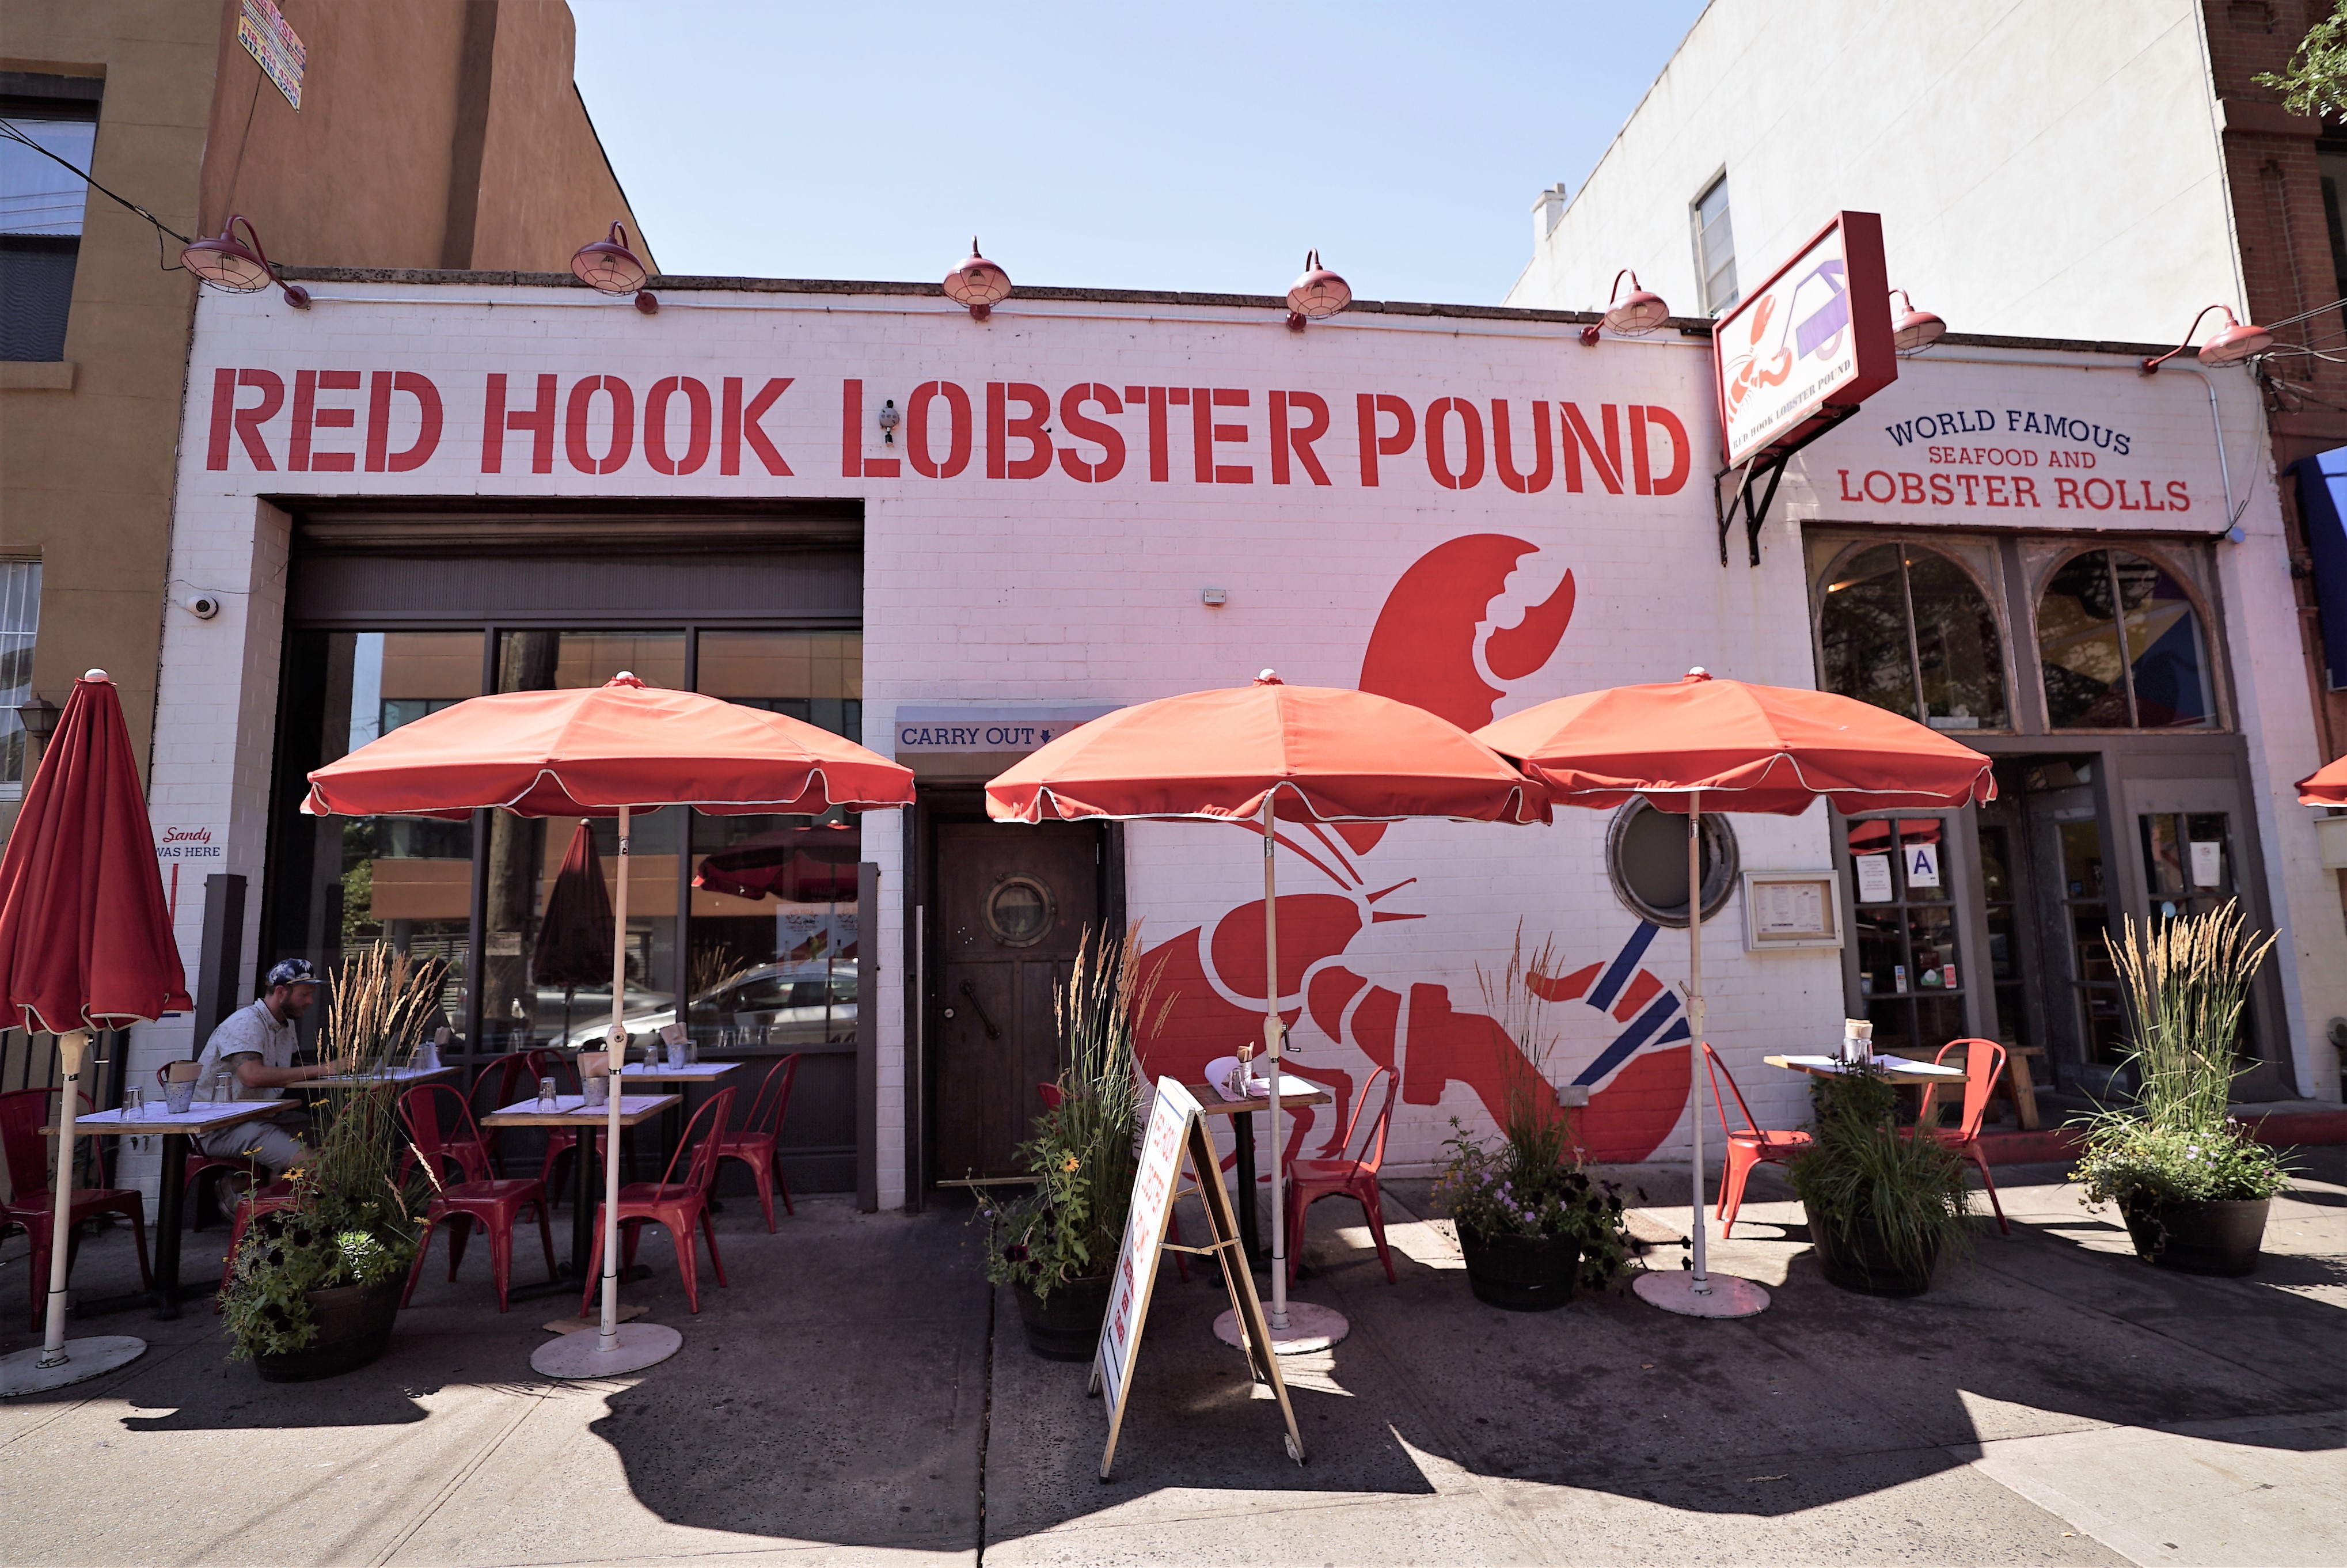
(1646, 859)
(1019, 911)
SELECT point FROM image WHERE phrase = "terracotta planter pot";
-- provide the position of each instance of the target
(353, 1328)
(1861, 1260)
(1067, 1327)
(2219, 1236)
(1522, 1273)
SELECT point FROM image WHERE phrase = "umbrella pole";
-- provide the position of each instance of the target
(1271, 1039)
(1697, 1292)
(613, 1350)
(56, 1364)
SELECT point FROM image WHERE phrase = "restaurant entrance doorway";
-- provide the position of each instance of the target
(1008, 907)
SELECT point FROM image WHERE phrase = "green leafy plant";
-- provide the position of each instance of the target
(2316, 80)
(1865, 1175)
(1082, 1154)
(1534, 1182)
(2186, 981)
(352, 1221)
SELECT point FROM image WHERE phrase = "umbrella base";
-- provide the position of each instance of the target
(85, 1359)
(1728, 1297)
(1310, 1329)
(639, 1346)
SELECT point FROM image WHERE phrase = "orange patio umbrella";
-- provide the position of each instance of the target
(1696, 743)
(1261, 752)
(2325, 785)
(606, 751)
(85, 944)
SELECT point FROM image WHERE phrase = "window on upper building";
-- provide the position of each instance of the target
(2121, 645)
(40, 213)
(1907, 629)
(1715, 248)
(20, 617)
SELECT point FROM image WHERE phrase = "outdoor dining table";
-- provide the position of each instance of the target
(175, 1128)
(572, 1110)
(1242, 1114)
(391, 1077)
(683, 1076)
(1897, 1068)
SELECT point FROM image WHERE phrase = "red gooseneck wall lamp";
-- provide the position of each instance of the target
(1635, 316)
(1915, 330)
(976, 285)
(2233, 342)
(240, 268)
(608, 267)
(1319, 295)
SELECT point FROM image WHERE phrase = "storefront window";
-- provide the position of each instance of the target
(775, 920)
(2121, 647)
(1646, 859)
(1906, 629)
(1910, 976)
(342, 882)
(20, 620)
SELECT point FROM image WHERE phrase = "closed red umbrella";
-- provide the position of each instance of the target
(606, 751)
(1698, 743)
(1298, 754)
(574, 935)
(85, 944)
(2324, 787)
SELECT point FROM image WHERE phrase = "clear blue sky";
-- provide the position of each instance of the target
(1192, 146)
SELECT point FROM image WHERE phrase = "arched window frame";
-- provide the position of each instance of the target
(2181, 571)
(1992, 595)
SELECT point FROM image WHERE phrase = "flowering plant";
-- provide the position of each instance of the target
(2139, 1163)
(1531, 1183)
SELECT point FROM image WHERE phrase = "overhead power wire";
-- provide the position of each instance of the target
(12, 132)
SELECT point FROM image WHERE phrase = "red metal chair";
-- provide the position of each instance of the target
(260, 1201)
(30, 1205)
(494, 1203)
(1309, 1181)
(757, 1141)
(429, 1141)
(676, 1206)
(1755, 1145)
(1984, 1064)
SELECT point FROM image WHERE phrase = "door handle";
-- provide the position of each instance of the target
(969, 991)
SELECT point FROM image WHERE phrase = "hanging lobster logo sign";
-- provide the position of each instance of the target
(1433, 646)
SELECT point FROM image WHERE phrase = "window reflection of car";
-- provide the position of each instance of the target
(802, 1003)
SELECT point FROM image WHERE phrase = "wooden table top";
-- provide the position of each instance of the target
(572, 1110)
(1897, 1068)
(204, 1116)
(1212, 1104)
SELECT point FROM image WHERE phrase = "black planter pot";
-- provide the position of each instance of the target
(1861, 1260)
(2218, 1237)
(1522, 1273)
(1067, 1327)
(354, 1324)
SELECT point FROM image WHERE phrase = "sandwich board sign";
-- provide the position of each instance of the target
(1176, 1134)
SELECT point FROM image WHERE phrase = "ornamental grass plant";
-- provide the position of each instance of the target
(353, 1220)
(2186, 981)
(1083, 1153)
(1868, 1178)
(1533, 1182)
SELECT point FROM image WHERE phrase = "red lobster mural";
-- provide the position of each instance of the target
(1422, 650)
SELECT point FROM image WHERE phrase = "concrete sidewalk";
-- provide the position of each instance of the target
(859, 1395)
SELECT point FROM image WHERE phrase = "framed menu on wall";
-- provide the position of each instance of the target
(1791, 910)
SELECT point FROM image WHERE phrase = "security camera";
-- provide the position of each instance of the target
(202, 606)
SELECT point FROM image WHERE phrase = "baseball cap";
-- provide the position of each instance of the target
(292, 972)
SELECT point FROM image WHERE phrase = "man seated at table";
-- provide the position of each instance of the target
(250, 1056)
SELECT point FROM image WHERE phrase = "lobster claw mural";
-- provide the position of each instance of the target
(1432, 646)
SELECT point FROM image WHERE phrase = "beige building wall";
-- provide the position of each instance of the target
(432, 133)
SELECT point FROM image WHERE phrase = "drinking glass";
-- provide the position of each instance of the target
(134, 1104)
(546, 1093)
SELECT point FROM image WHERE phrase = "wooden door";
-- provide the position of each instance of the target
(1013, 903)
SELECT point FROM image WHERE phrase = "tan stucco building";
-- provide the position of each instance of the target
(430, 133)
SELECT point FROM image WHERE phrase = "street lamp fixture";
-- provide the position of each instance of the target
(1317, 295)
(1916, 330)
(230, 263)
(608, 267)
(978, 284)
(1632, 316)
(2233, 342)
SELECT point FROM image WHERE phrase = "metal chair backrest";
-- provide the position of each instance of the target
(22, 1114)
(1053, 1095)
(766, 1115)
(420, 1112)
(1373, 1153)
(1984, 1061)
(1719, 1070)
(710, 1120)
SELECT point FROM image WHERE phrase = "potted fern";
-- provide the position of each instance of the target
(1532, 1222)
(1884, 1203)
(1055, 1246)
(315, 1287)
(2191, 1181)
